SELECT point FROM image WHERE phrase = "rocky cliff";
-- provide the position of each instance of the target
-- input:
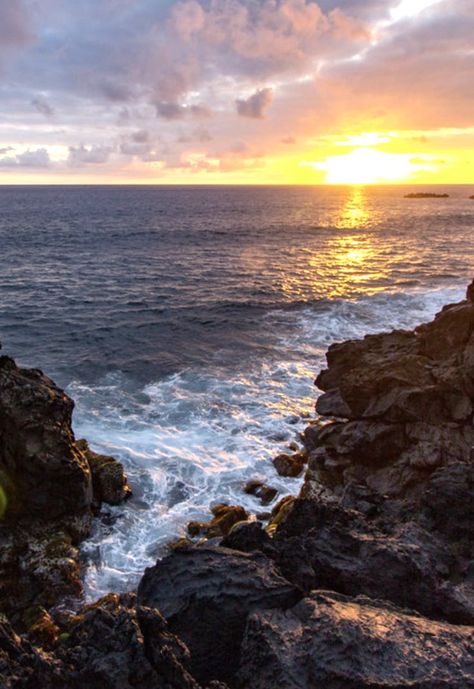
(363, 581)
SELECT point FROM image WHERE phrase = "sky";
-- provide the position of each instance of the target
(237, 91)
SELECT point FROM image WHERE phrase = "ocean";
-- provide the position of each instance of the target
(188, 324)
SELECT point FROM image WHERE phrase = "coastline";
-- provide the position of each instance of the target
(379, 537)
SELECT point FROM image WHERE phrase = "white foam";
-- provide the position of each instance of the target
(196, 437)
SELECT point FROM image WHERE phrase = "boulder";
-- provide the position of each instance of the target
(290, 465)
(266, 494)
(206, 594)
(337, 642)
(109, 481)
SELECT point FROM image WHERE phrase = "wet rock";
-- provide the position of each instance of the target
(225, 517)
(334, 641)
(290, 465)
(43, 631)
(205, 594)
(266, 494)
(109, 481)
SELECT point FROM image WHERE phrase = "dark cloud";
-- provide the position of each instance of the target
(175, 111)
(256, 105)
(42, 106)
(82, 155)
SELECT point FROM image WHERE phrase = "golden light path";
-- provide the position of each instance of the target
(355, 252)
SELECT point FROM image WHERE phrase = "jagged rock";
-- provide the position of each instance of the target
(114, 644)
(337, 642)
(408, 400)
(38, 454)
(109, 481)
(205, 594)
(22, 666)
(225, 517)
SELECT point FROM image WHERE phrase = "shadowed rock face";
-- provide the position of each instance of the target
(112, 644)
(338, 642)
(205, 594)
(50, 477)
(47, 493)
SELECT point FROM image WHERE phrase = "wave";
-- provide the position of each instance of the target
(195, 437)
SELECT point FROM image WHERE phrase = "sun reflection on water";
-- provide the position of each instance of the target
(351, 258)
(355, 212)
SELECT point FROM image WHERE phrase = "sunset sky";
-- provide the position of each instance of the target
(237, 91)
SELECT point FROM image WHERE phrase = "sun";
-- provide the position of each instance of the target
(367, 166)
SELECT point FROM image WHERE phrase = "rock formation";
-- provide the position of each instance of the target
(363, 581)
(48, 494)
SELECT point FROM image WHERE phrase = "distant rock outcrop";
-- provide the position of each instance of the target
(426, 195)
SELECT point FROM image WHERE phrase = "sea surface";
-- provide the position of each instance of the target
(188, 324)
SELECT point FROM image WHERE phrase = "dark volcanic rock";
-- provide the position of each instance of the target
(321, 545)
(48, 474)
(22, 666)
(408, 398)
(338, 642)
(113, 644)
(448, 502)
(205, 594)
(247, 537)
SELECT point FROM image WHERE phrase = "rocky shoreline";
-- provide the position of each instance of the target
(365, 580)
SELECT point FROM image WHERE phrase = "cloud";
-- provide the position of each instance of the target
(256, 105)
(154, 75)
(175, 111)
(141, 137)
(38, 158)
(81, 155)
(42, 106)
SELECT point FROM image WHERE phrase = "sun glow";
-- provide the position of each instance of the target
(368, 166)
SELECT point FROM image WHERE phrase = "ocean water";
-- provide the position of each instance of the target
(188, 324)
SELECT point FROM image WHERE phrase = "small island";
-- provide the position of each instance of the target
(426, 195)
